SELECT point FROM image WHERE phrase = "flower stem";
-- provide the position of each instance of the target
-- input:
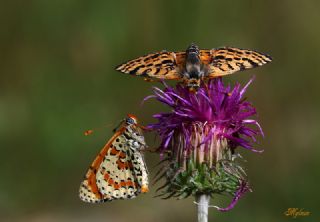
(203, 203)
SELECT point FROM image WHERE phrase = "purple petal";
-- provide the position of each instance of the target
(239, 193)
(147, 98)
(244, 89)
(168, 139)
(177, 96)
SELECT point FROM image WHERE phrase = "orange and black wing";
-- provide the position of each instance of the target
(117, 172)
(89, 190)
(161, 65)
(228, 60)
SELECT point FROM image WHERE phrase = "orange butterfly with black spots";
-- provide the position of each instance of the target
(119, 171)
(194, 65)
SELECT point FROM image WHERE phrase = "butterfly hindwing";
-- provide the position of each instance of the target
(228, 60)
(161, 65)
(115, 176)
(86, 193)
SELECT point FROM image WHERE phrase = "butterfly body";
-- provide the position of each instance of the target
(119, 171)
(193, 70)
(194, 65)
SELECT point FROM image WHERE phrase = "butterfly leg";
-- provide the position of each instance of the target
(149, 149)
(148, 79)
(154, 150)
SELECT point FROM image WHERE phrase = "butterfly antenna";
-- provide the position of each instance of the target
(117, 127)
(90, 131)
(143, 127)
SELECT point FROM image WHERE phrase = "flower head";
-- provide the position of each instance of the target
(218, 111)
(200, 135)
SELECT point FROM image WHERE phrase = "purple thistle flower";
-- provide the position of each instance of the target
(220, 112)
(199, 136)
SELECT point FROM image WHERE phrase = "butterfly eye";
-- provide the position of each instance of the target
(130, 121)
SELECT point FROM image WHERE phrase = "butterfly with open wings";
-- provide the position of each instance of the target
(194, 65)
(119, 170)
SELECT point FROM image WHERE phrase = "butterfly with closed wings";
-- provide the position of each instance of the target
(119, 170)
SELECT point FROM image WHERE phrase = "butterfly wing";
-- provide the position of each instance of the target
(140, 170)
(118, 172)
(101, 179)
(161, 65)
(89, 191)
(116, 177)
(228, 60)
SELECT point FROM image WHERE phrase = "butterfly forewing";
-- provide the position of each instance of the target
(161, 65)
(89, 191)
(118, 172)
(227, 60)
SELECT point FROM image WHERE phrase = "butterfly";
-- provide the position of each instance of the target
(119, 170)
(194, 65)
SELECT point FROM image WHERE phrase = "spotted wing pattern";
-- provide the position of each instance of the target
(118, 172)
(227, 60)
(161, 65)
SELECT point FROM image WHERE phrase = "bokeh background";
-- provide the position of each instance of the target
(57, 79)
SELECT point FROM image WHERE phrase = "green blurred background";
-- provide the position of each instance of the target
(57, 79)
